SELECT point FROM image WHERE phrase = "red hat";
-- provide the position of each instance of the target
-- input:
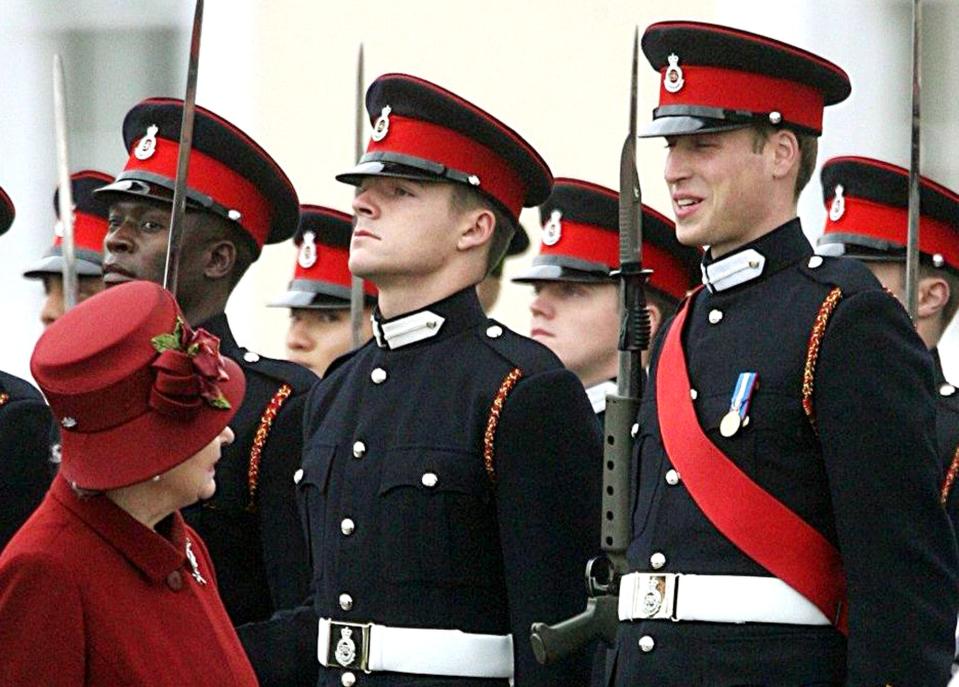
(423, 131)
(716, 78)
(322, 277)
(135, 390)
(7, 212)
(580, 241)
(230, 174)
(89, 228)
(868, 213)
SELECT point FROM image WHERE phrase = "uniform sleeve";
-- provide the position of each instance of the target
(25, 429)
(41, 624)
(285, 554)
(282, 649)
(548, 461)
(876, 417)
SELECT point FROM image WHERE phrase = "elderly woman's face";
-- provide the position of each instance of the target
(193, 479)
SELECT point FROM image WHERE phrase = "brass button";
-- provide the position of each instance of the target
(657, 560)
(298, 476)
(378, 375)
(815, 261)
(715, 316)
(494, 332)
(672, 477)
(359, 449)
(348, 679)
(251, 357)
(634, 430)
(693, 394)
(646, 644)
(347, 526)
(947, 389)
(346, 602)
(429, 479)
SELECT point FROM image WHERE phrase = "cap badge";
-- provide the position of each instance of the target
(673, 78)
(345, 652)
(838, 207)
(382, 125)
(148, 144)
(307, 257)
(553, 229)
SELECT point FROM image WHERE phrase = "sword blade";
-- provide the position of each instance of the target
(65, 195)
(912, 242)
(178, 212)
(356, 286)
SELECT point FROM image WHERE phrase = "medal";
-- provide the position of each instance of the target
(746, 384)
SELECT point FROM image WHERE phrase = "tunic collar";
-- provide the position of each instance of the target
(155, 555)
(439, 320)
(763, 257)
(597, 395)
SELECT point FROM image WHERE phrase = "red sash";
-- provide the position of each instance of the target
(751, 518)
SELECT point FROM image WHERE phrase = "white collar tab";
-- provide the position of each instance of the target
(734, 270)
(407, 330)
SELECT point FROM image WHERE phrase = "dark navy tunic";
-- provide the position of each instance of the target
(947, 435)
(255, 539)
(26, 427)
(407, 526)
(868, 481)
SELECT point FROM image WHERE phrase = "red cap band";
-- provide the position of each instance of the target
(594, 244)
(213, 178)
(331, 267)
(447, 147)
(88, 232)
(737, 90)
(888, 223)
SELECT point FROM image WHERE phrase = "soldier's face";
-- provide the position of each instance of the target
(52, 308)
(318, 337)
(720, 188)
(403, 229)
(580, 324)
(135, 245)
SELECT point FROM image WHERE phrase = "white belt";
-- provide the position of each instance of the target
(420, 651)
(714, 599)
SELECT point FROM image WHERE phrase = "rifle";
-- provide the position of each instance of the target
(356, 286)
(600, 619)
(912, 238)
(178, 213)
(65, 195)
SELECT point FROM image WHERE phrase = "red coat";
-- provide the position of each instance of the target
(89, 596)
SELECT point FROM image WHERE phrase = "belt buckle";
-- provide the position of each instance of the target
(342, 650)
(655, 597)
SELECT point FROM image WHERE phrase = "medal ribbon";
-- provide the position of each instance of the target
(743, 393)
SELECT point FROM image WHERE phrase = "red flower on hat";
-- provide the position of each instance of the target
(188, 369)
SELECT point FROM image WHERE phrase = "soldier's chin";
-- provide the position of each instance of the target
(114, 278)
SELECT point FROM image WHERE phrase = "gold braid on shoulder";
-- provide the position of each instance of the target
(812, 352)
(259, 441)
(492, 420)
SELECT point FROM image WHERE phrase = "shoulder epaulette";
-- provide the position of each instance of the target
(848, 274)
(519, 351)
(296, 376)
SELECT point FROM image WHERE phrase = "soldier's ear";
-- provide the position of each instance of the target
(220, 259)
(784, 146)
(655, 319)
(933, 297)
(477, 228)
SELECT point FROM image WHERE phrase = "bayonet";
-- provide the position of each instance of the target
(356, 286)
(178, 212)
(912, 237)
(65, 192)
